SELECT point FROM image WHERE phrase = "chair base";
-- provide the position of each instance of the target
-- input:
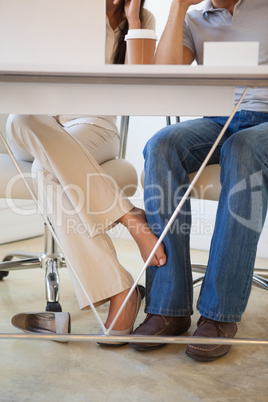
(258, 280)
(50, 260)
(3, 274)
(54, 306)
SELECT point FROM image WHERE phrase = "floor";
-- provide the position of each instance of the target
(41, 370)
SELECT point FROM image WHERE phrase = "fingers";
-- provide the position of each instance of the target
(159, 259)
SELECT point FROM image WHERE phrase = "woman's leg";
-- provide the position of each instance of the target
(73, 167)
(84, 251)
(101, 202)
(103, 145)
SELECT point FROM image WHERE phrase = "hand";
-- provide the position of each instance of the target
(132, 11)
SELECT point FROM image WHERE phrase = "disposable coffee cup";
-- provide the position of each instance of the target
(141, 45)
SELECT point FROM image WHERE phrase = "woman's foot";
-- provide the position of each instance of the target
(126, 318)
(136, 223)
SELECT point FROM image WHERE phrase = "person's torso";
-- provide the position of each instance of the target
(248, 23)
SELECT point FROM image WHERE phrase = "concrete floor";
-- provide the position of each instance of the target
(36, 370)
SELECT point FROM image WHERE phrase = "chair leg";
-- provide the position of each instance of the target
(168, 120)
(123, 136)
(50, 260)
(197, 281)
(52, 285)
(258, 280)
(8, 264)
(200, 268)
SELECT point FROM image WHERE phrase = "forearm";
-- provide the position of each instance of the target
(132, 11)
(170, 47)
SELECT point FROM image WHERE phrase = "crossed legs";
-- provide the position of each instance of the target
(64, 159)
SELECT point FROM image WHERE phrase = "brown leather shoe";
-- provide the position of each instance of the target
(160, 325)
(213, 329)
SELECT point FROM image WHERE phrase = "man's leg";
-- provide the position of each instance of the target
(170, 156)
(240, 218)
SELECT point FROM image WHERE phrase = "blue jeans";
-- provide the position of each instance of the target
(170, 155)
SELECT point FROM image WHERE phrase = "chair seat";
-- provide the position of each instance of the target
(124, 173)
(12, 185)
(208, 185)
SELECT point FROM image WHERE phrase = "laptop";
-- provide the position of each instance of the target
(231, 53)
(52, 35)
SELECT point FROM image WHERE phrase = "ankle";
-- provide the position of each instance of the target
(130, 216)
(126, 317)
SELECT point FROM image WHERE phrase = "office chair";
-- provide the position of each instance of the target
(51, 259)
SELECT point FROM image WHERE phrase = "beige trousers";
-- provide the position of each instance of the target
(79, 199)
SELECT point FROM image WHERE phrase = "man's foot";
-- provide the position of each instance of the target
(160, 325)
(136, 223)
(212, 329)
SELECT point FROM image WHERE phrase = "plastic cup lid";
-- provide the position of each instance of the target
(141, 34)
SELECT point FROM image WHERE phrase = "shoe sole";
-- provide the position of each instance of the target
(203, 358)
(146, 347)
(111, 344)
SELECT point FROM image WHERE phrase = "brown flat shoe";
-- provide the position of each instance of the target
(160, 325)
(212, 329)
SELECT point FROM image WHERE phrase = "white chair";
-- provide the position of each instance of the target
(51, 259)
(208, 187)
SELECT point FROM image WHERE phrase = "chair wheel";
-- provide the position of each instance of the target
(3, 274)
(54, 306)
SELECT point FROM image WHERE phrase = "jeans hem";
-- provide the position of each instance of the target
(168, 312)
(219, 317)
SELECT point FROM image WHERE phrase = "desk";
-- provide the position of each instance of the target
(126, 90)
